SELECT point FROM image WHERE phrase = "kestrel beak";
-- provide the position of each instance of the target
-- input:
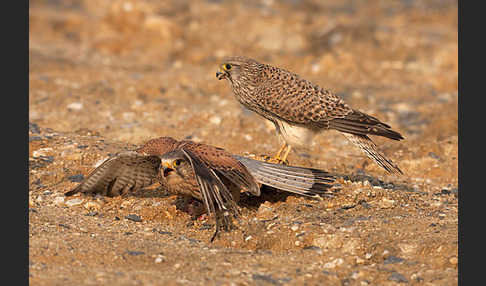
(167, 168)
(221, 74)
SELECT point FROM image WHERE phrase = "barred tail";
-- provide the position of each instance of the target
(370, 148)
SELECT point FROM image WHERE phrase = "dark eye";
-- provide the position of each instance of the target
(227, 67)
(177, 162)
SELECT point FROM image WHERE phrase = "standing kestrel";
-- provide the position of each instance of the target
(300, 109)
(195, 170)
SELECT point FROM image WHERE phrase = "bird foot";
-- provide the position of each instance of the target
(269, 159)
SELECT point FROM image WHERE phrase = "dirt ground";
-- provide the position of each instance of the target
(105, 76)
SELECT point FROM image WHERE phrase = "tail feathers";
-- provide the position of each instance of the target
(370, 148)
(299, 180)
(359, 123)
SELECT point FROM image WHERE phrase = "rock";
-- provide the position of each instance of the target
(134, 217)
(42, 153)
(392, 260)
(34, 128)
(159, 259)
(135, 253)
(265, 278)
(59, 200)
(359, 260)
(74, 202)
(334, 263)
(337, 241)
(92, 206)
(386, 203)
(76, 178)
(216, 120)
(75, 106)
(314, 248)
(34, 138)
(397, 277)
(407, 249)
(125, 204)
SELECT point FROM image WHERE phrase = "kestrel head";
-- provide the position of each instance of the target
(232, 68)
(175, 167)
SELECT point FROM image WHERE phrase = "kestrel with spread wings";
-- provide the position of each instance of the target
(204, 172)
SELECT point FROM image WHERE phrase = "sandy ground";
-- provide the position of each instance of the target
(105, 76)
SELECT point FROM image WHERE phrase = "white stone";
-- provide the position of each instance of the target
(74, 202)
(58, 200)
(75, 106)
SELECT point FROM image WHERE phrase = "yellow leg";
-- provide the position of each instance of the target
(280, 151)
(284, 158)
(277, 159)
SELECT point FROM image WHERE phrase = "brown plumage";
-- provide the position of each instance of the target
(195, 170)
(300, 109)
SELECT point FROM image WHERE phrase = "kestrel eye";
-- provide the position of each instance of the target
(227, 67)
(176, 163)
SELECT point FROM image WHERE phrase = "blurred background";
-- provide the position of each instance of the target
(135, 70)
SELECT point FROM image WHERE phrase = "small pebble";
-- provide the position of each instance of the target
(134, 217)
(135, 253)
(334, 263)
(58, 200)
(92, 206)
(386, 203)
(74, 202)
(397, 277)
(265, 278)
(125, 204)
(76, 178)
(215, 120)
(159, 259)
(75, 106)
(34, 138)
(393, 259)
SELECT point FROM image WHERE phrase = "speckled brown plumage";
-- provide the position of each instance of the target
(204, 172)
(299, 109)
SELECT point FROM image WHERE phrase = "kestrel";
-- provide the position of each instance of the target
(300, 109)
(195, 170)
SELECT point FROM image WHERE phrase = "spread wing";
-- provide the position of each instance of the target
(122, 173)
(225, 165)
(216, 196)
